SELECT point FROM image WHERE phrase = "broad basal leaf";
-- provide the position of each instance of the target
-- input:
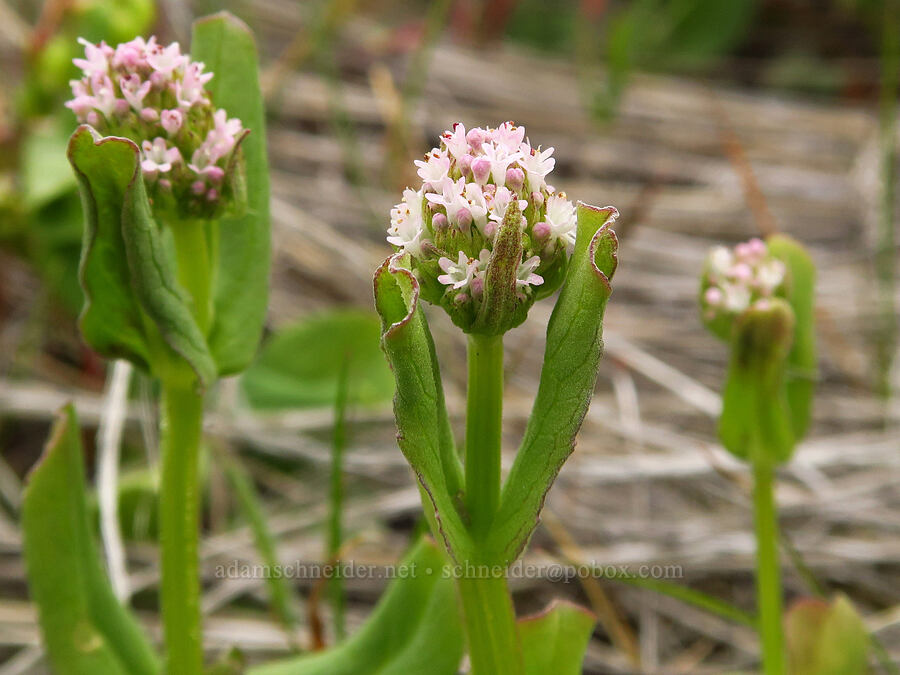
(301, 365)
(414, 629)
(571, 360)
(227, 48)
(86, 631)
(554, 641)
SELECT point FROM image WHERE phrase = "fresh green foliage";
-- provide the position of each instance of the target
(414, 629)
(87, 631)
(424, 433)
(826, 639)
(301, 365)
(571, 360)
(241, 250)
(554, 641)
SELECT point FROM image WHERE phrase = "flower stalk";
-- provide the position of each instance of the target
(179, 507)
(489, 620)
(484, 412)
(768, 570)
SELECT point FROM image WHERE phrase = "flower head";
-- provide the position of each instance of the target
(476, 184)
(738, 279)
(155, 95)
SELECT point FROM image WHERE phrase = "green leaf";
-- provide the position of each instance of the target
(128, 274)
(756, 424)
(111, 320)
(826, 639)
(414, 629)
(801, 365)
(571, 360)
(226, 46)
(554, 641)
(86, 630)
(301, 365)
(424, 433)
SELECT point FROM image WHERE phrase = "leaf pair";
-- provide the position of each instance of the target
(135, 307)
(574, 346)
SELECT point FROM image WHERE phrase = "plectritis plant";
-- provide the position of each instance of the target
(485, 234)
(485, 237)
(759, 297)
(157, 97)
(174, 268)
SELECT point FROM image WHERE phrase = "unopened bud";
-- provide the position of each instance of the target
(515, 179)
(481, 170)
(541, 230)
(465, 164)
(439, 222)
(475, 138)
(464, 218)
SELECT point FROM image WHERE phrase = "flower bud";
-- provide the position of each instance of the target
(481, 170)
(484, 230)
(439, 222)
(515, 179)
(156, 96)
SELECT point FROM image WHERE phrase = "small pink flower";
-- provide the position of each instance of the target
(171, 121)
(190, 89)
(158, 157)
(166, 60)
(134, 90)
(96, 61)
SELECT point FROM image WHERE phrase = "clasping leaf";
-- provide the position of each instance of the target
(423, 427)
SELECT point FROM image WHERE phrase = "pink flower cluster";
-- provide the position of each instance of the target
(156, 96)
(468, 182)
(740, 278)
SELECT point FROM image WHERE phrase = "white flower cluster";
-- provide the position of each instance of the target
(739, 278)
(156, 96)
(467, 185)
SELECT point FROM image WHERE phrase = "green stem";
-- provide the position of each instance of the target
(194, 270)
(490, 622)
(178, 529)
(484, 412)
(487, 608)
(768, 572)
